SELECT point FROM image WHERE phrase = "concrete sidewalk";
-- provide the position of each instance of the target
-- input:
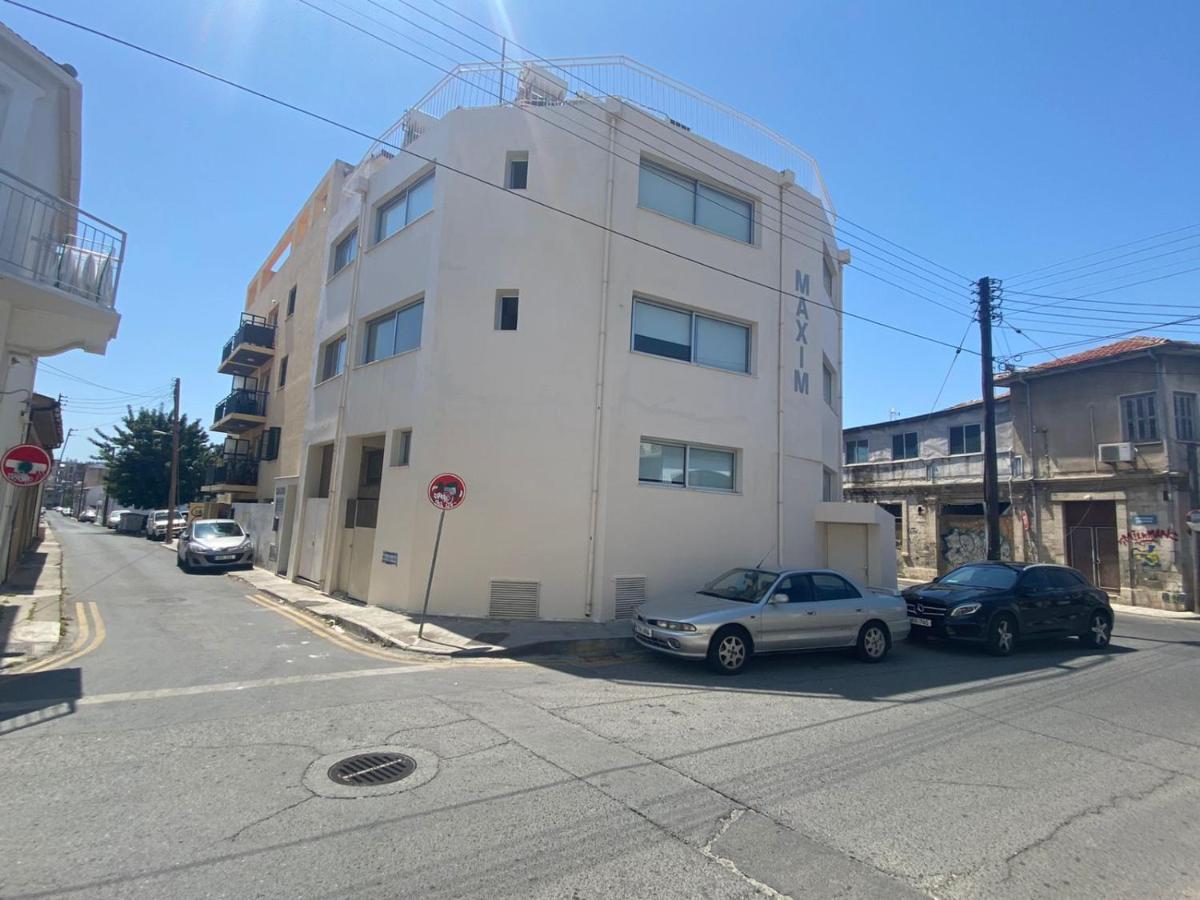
(31, 611)
(449, 635)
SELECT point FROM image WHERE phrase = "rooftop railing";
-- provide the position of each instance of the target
(50, 241)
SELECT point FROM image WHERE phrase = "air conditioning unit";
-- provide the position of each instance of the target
(1115, 453)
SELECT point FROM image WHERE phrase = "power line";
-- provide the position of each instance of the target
(45, 365)
(476, 178)
(1022, 275)
(953, 360)
(1082, 299)
(1037, 286)
(1135, 262)
(765, 204)
(1117, 334)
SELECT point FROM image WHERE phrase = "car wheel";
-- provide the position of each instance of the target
(873, 642)
(729, 651)
(1099, 633)
(1002, 635)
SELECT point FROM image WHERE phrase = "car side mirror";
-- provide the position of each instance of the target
(777, 599)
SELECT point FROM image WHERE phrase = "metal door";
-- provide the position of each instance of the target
(1092, 549)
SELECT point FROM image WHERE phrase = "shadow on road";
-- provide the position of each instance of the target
(36, 697)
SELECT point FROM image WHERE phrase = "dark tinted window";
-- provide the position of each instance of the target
(832, 587)
(982, 576)
(1037, 580)
(797, 587)
(1065, 578)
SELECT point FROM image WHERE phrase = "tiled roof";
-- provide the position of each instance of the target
(1099, 354)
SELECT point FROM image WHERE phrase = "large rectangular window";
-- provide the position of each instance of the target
(404, 208)
(1139, 417)
(688, 466)
(333, 358)
(395, 332)
(1185, 416)
(856, 451)
(345, 251)
(691, 337)
(689, 200)
(904, 445)
(965, 439)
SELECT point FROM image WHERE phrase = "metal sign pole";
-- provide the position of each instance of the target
(432, 565)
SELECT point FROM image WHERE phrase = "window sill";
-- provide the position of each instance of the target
(399, 231)
(655, 485)
(383, 359)
(694, 365)
(330, 378)
(345, 268)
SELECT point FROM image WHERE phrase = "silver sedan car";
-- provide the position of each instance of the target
(749, 611)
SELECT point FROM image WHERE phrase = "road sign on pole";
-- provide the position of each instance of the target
(446, 492)
(25, 465)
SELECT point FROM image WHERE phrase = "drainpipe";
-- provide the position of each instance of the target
(1092, 423)
(1033, 470)
(601, 360)
(334, 521)
(779, 393)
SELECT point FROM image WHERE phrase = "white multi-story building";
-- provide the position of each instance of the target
(59, 266)
(586, 309)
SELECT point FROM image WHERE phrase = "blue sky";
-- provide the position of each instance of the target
(990, 138)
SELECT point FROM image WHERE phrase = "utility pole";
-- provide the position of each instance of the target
(991, 482)
(172, 495)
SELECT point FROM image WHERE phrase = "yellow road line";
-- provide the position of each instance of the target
(309, 624)
(86, 641)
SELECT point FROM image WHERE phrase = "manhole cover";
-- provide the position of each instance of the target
(370, 769)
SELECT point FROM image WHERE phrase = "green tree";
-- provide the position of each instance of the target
(139, 459)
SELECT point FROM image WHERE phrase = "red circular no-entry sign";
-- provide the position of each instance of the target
(25, 465)
(447, 491)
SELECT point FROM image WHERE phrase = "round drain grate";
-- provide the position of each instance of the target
(371, 769)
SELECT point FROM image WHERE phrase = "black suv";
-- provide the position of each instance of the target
(998, 603)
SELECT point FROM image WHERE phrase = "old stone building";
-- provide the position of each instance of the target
(1098, 467)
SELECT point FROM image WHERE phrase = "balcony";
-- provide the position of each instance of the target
(251, 347)
(962, 469)
(241, 411)
(59, 269)
(231, 473)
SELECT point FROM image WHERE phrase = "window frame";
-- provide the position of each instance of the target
(501, 296)
(394, 315)
(904, 436)
(291, 302)
(1150, 417)
(693, 316)
(962, 429)
(855, 593)
(283, 367)
(688, 447)
(696, 183)
(350, 237)
(1189, 397)
(516, 156)
(828, 384)
(400, 453)
(828, 485)
(391, 201)
(340, 338)
(855, 442)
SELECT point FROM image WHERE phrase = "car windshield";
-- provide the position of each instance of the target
(744, 585)
(1000, 577)
(207, 530)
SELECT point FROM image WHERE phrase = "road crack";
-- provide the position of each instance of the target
(267, 818)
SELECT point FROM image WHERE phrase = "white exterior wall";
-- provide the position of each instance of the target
(515, 413)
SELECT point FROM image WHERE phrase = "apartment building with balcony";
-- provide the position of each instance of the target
(269, 360)
(927, 472)
(60, 265)
(585, 308)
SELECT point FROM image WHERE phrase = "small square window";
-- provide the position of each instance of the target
(904, 445)
(345, 251)
(506, 312)
(401, 446)
(516, 176)
(333, 358)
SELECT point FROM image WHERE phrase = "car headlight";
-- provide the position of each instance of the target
(199, 547)
(966, 609)
(672, 626)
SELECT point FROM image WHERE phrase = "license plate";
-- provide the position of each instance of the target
(913, 620)
(226, 557)
(643, 630)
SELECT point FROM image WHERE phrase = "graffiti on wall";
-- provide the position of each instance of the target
(1146, 547)
(968, 543)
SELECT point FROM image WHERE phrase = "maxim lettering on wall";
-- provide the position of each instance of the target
(799, 374)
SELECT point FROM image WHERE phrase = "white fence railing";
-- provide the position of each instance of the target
(46, 239)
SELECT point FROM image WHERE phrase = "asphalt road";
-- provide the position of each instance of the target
(193, 763)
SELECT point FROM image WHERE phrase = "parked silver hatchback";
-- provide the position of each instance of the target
(749, 611)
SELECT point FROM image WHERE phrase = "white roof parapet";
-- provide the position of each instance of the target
(547, 82)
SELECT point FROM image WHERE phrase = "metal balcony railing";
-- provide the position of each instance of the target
(966, 468)
(242, 401)
(252, 330)
(232, 468)
(48, 240)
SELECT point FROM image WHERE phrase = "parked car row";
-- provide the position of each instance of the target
(752, 611)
